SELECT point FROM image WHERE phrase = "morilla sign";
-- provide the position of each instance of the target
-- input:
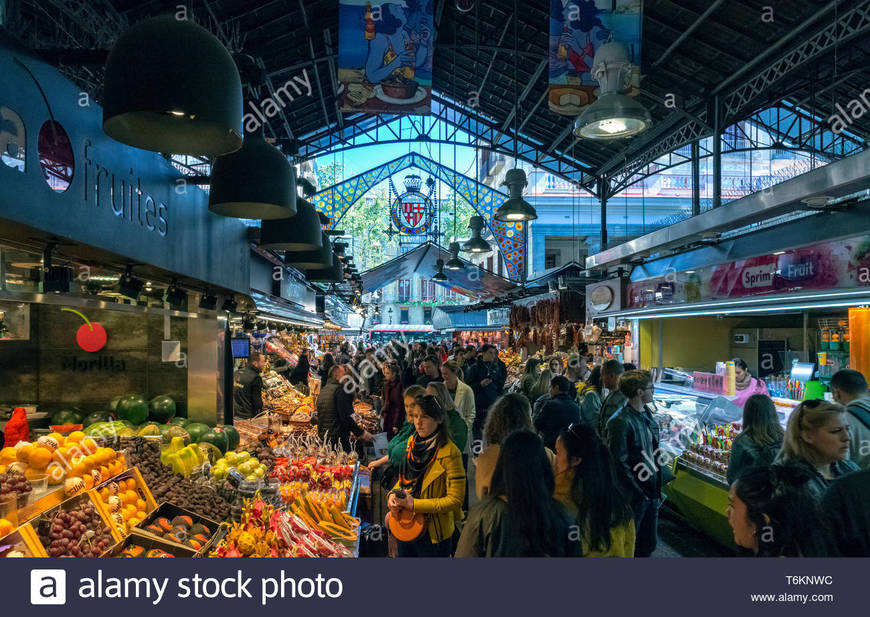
(60, 174)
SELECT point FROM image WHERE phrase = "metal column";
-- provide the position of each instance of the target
(696, 178)
(603, 190)
(717, 153)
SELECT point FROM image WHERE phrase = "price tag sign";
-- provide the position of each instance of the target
(709, 382)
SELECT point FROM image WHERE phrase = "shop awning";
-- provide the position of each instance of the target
(780, 303)
(455, 318)
(282, 311)
(473, 281)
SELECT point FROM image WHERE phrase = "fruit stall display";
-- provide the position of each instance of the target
(75, 528)
(173, 525)
(125, 500)
(265, 531)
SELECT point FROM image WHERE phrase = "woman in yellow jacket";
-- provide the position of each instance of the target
(586, 485)
(431, 481)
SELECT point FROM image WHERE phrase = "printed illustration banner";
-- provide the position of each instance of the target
(842, 264)
(385, 56)
(577, 29)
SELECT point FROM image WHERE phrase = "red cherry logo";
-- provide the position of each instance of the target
(90, 336)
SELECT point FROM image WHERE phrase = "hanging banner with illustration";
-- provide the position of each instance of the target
(577, 29)
(385, 56)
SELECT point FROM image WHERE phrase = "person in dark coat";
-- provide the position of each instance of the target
(632, 435)
(248, 388)
(558, 413)
(761, 438)
(430, 370)
(393, 411)
(326, 364)
(335, 421)
(847, 507)
(299, 375)
(485, 379)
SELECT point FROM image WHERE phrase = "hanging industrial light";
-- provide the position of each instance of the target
(129, 285)
(230, 305)
(454, 263)
(171, 86)
(299, 233)
(613, 115)
(174, 295)
(439, 274)
(257, 182)
(516, 208)
(318, 258)
(476, 244)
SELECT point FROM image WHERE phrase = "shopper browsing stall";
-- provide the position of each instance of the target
(520, 518)
(335, 421)
(849, 388)
(587, 487)
(431, 482)
(590, 397)
(611, 371)
(632, 435)
(774, 512)
(558, 413)
(463, 396)
(817, 436)
(458, 430)
(761, 438)
(393, 410)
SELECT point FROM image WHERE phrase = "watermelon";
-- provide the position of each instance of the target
(233, 438)
(217, 438)
(161, 408)
(94, 418)
(148, 430)
(196, 430)
(164, 430)
(132, 407)
(67, 416)
(179, 421)
(113, 404)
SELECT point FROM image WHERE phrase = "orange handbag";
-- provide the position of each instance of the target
(405, 525)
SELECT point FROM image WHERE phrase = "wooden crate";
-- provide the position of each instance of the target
(141, 489)
(23, 539)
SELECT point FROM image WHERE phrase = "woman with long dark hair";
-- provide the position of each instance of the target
(530, 377)
(326, 364)
(747, 385)
(393, 410)
(761, 439)
(519, 518)
(587, 486)
(590, 397)
(773, 512)
(299, 375)
(431, 482)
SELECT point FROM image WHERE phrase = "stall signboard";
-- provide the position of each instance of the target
(840, 264)
(62, 176)
(577, 29)
(708, 382)
(385, 52)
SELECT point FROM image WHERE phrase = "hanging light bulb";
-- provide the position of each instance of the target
(439, 274)
(516, 208)
(317, 259)
(299, 233)
(613, 115)
(257, 182)
(454, 263)
(476, 244)
(171, 86)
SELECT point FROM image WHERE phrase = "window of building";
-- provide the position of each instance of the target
(427, 290)
(404, 290)
(403, 315)
(427, 315)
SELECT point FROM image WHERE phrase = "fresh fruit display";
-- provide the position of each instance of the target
(325, 511)
(196, 430)
(134, 551)
(166, 486)
(217, 438)
(173, 430)
(133, 408)
(247, 465)
(6, 527)
(264, 531)
(125, 503)
(181, 530)
(183, 459)
(233, 437)
(67, 416)
(15, 483)
(95, 417)
(314, 475)
(264, 454)
(305, 447)
(161, 408)
(105, 429)
(76, 531)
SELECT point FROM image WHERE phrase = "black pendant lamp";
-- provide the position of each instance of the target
(315, 259)
(476, 244)
(454, 263)
(439, 274)
(332, 274)
(300, 233)
(256, 182)
(516, 208)
(171, 86)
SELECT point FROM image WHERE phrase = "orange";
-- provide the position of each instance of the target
(133, 522)
(141, 514)
(89, 445)
(22, 453)
(89, 482)
(58, 438)
(104, 472)
(104, 495)
(129, 511)
(40, 457)
(2, 468)
(75, 437)
(7, 455)
(140, 504)
(78, 468)
(6, 527)
(130, 497)
(55, 473)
